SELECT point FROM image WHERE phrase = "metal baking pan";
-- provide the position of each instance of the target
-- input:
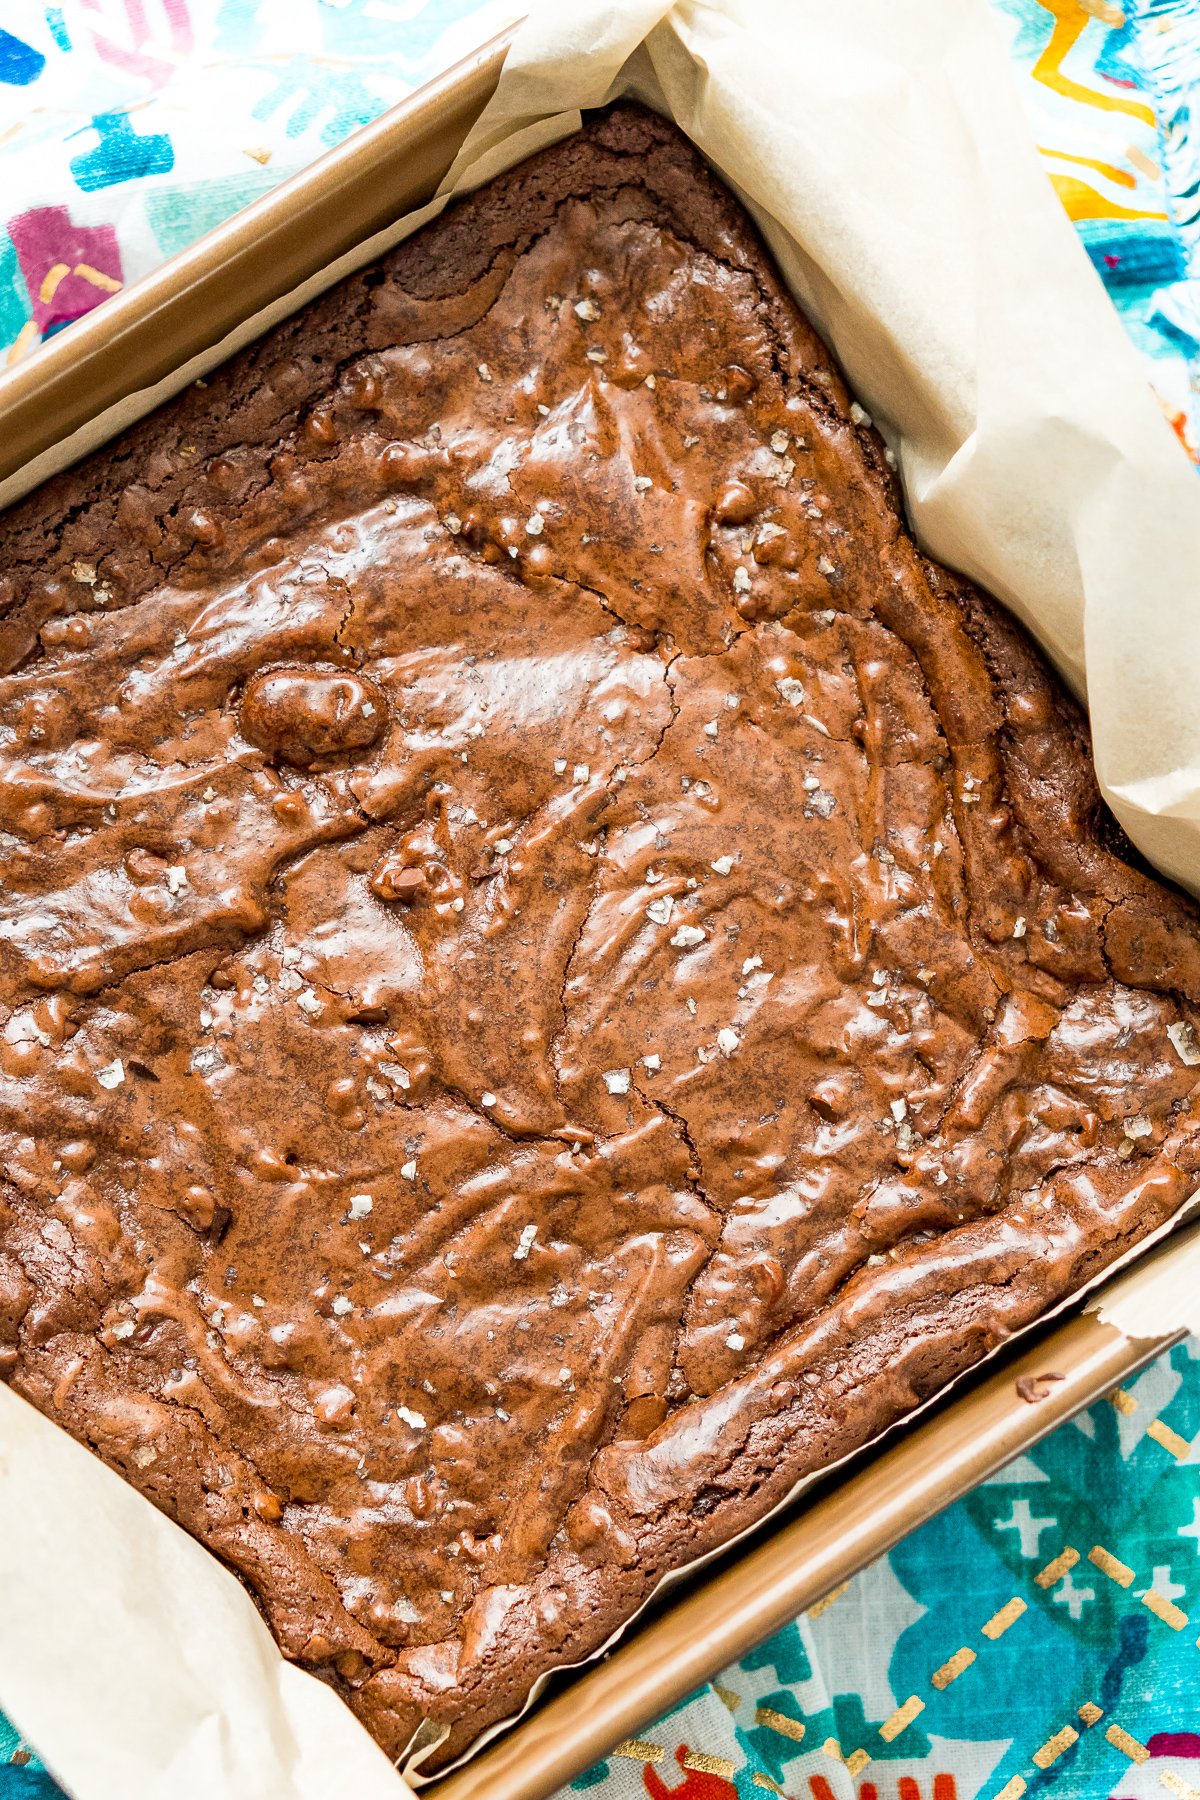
(131, 353)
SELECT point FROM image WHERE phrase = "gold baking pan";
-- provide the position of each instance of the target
(128, 355)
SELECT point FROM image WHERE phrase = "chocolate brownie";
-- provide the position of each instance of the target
(558, 976)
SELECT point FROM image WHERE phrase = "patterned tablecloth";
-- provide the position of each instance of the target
(1042, 1634)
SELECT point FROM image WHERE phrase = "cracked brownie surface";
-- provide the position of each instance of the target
(557, 976)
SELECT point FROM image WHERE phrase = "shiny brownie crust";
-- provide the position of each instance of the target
(558, 976)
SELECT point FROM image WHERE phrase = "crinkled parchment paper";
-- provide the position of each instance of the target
(883, 153)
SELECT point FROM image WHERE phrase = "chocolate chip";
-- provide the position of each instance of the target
(734, 505)
(738, 384)
(393, 880)
(299, 716)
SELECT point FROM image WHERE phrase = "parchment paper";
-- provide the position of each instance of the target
(882, 151)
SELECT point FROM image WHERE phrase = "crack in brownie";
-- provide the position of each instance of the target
(557, 975)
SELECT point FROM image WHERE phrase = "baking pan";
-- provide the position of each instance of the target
(133, 352)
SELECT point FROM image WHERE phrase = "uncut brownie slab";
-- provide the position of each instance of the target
(556, 974)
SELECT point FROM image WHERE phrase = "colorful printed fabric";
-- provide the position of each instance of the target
(1040, 1636)
(1109, 90)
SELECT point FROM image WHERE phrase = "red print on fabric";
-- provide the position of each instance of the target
(68, 268)
(943, 1789)
(697, 1784)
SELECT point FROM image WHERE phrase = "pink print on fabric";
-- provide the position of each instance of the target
(68, 268)
(143, 39)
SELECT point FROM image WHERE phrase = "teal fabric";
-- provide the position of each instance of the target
(113, 154)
